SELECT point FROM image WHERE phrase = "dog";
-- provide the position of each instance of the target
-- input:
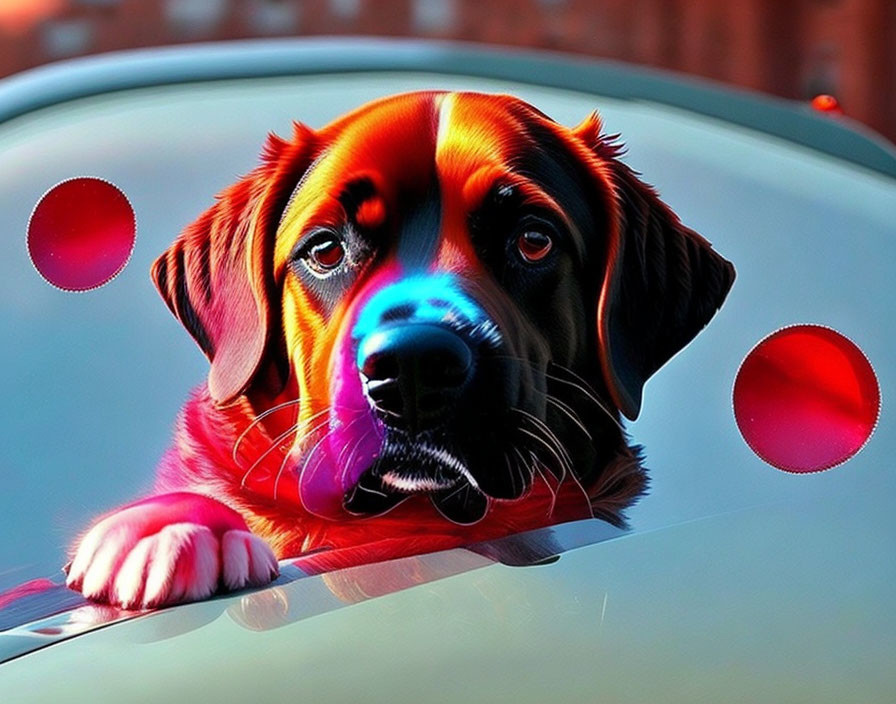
(424, 324)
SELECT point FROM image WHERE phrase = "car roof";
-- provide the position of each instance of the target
(165, 66)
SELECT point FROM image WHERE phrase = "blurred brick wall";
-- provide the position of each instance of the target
(790, 48)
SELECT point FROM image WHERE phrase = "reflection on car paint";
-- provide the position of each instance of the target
(83, 618)
(300, 599)
(33, 619)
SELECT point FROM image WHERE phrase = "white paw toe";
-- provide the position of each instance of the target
(247, 560)
(128, 590)
(87, 548)
(185, 565)
(99, 577)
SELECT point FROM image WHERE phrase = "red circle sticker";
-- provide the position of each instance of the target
(826, 103)
(81, 234)
(806, 399)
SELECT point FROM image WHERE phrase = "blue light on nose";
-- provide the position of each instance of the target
(427, 298)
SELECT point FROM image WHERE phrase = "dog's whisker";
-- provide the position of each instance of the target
(260, 417)
(286, 457)
(590, 396)
(569, 413)
(583, 491)
(358, 411)
(561, 461)
(536, 466)
(266, 413)
(517, 465)
(301, 472)
(521, 469)
(354, 451)
(369, 490)
(548, 439)
(309, 432)
(551, 442)
(275, 443)
(278, 441)
(523, 464)
(345, 449)
(549, 434)
(456, 491)
(387, 412)
(571, 474)
(464, 486)
(586, 387)
(580, 384)
(577, 377)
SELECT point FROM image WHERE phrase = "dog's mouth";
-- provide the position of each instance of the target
(409, 466)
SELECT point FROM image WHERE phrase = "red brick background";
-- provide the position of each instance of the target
(790, 48)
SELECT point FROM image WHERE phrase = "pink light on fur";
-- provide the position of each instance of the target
(334, 464)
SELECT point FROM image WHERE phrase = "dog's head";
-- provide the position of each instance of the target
(460, 294)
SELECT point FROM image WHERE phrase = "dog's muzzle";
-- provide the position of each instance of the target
(418, 344)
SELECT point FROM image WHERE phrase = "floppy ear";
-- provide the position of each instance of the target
(663, 281)
(217, 276)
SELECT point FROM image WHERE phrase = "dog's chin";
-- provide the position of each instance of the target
(404, 469)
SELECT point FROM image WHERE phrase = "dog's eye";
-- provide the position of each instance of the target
(534, 245)
(326, 255)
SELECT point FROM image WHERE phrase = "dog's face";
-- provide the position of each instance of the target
(460, 294)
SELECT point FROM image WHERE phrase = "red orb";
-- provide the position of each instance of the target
(806, 399)
(826, 103)
(81, 234)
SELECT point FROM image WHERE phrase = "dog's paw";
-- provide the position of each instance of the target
(139, 564)
(186, 562)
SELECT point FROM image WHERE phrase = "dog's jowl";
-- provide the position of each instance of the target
(424, 324)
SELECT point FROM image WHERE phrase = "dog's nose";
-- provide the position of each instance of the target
(414, 373)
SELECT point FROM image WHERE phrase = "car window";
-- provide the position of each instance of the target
(93, 381)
